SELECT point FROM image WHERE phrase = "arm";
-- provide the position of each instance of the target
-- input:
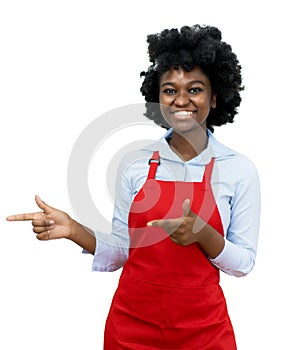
(239, 253)
(235, 254)
(111, 250)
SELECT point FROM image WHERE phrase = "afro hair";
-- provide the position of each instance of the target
(189, 47)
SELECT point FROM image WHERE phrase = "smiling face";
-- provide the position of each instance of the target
(186, 99)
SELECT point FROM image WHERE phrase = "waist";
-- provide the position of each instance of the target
(172, 277)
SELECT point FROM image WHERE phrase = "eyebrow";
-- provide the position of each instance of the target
(189, 83)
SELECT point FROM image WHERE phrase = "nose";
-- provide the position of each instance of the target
(182, 99)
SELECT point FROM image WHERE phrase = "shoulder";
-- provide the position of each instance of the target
(232, 168)
(237, 163)
(232, 161)
(133, 167)
(239, 174)
(137, 156)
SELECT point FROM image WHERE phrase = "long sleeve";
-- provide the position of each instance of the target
(239, 253)
(112, 249)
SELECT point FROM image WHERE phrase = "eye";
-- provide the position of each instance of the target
(169, 91)
(195, 90)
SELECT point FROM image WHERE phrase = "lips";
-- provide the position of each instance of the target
(182, 114)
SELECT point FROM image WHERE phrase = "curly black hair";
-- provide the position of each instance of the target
(189, 47)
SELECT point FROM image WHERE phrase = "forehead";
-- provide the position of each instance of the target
(176, 75)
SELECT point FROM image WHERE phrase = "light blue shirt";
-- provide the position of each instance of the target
(235, 186)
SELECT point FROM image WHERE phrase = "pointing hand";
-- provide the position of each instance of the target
(181, 230)
(50, 223)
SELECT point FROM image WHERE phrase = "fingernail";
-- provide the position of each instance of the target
(149, 223)
(51, 222)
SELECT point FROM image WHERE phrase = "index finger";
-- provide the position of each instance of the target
(158, 223)
(169, 225)
(21, 217)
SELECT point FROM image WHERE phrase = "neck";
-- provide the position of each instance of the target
(188, 146)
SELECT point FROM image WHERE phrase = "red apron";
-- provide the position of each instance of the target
(169, 295)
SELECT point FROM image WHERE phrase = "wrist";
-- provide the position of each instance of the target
(82, 236)
(210, 240)
(204, 233)
(73, 230)
(201, 230)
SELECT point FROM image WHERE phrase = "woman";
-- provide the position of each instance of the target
(186, 206)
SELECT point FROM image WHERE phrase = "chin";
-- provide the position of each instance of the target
(187, 128)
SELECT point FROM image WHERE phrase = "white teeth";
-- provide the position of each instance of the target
(183, 113)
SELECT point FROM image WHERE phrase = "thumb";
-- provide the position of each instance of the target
(42, 205)
(186, 208)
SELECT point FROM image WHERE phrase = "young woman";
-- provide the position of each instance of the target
(185, 209)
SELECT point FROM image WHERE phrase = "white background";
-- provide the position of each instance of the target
(63, 63)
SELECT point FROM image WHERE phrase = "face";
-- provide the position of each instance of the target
(186, 99)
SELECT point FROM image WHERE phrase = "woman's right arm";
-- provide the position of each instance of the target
(111, 250)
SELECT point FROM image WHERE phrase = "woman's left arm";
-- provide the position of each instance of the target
(235, 254)
(240, 245)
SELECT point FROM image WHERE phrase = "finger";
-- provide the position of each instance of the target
(42, 205)
(40, 229)
(48, 234)
(169, 225)
(21, 217)
(43, 222)
(173, 238)
(44, 236)
(186, 208)
(158, 223)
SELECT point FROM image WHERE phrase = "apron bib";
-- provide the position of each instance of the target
(169, 296)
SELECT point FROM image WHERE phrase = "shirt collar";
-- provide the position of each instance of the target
(214, 149)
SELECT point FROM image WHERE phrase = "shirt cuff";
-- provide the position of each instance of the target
(234, 260)
(110, 253)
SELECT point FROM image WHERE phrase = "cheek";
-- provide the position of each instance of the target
(205, 103)
(165, 102)
(164, 99)
(164, 109)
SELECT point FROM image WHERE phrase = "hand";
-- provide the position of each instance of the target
(49, 224)
(182, 230)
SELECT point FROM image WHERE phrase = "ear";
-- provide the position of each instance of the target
(213, 100)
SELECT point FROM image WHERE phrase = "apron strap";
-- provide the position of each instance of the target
(208, 171)
(154, 161)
